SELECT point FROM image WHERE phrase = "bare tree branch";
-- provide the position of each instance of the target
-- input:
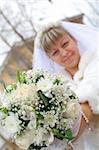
(6, 52)
(24, 14)
(87, 16)
(50, 1)
(91, 5)
(15, 30)
(5, 40)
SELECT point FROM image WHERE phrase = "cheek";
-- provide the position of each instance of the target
(73, 46)
(56, 59)
(72, 53)
(74, 56)
(71, 49)
(77, 57)
(74, 50)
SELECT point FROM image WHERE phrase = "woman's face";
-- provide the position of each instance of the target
(65, 52)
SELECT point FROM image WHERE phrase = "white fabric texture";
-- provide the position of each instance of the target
(87, 38)
(86, 82)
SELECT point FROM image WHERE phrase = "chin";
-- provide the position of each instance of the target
(71, 65)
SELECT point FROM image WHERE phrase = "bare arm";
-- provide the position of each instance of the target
(87, 111)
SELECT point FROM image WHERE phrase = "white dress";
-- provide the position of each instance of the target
(86, 85)
(86, 79)
(89, 140)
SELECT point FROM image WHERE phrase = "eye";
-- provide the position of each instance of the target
(55, 53)
(65, 44)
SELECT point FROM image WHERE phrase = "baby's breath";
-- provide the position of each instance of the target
(39, 103)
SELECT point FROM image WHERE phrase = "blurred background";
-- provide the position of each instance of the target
(19, 23)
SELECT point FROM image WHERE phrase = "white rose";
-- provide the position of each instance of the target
(27, 113)
(24, 94)
(2, 115)
(11, 125)
(25, 140)
(4, 100)
(32, 124)
(44, 85)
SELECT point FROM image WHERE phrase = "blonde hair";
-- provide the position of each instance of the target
(51, 34)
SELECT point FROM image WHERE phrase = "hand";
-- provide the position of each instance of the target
(69, 148)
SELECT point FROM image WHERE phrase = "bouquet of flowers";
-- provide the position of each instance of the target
(37, 108)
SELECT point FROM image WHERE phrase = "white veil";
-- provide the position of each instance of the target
(87, 38)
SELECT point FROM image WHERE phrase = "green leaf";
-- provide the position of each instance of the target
(19, 76)
(57, 133)
(35, 147)
(39, 77)
(4, 110)
(13, 86)
(5, 87)
(72, 96)
(43, 98)
(33, 109)
(57, 81)
(40, 117)
(24, 78)
(68, 134)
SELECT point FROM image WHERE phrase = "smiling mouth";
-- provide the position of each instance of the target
(68, 57)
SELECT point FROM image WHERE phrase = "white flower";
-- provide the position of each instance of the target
(29, 73)
(25, 126)
(32, 124)
(38, 135)
(25, 140)
(50, 119)
(27, 113)
(24, 94)
(69, 123)
(72, 110)
(4, 100)
(41, 134)
(58, 92)
(48, 94)
(49, 138)
(44, 85)
(11, 124)
(2, 115)
(65, 123)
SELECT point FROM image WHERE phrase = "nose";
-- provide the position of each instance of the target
(63, 52)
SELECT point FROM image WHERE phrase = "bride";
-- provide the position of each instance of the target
(71, 50)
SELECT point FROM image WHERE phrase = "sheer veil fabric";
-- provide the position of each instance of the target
(87, 40)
